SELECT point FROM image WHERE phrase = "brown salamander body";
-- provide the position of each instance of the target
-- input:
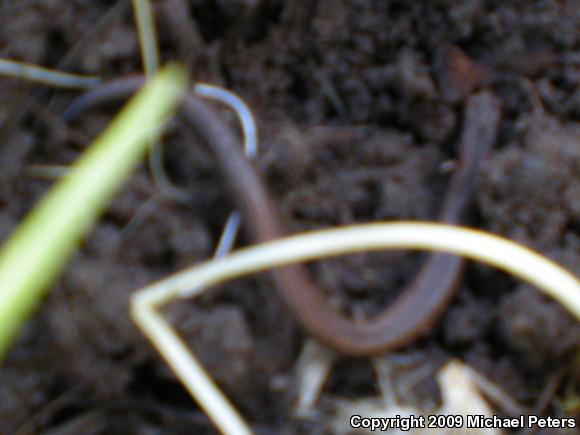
(419, 305)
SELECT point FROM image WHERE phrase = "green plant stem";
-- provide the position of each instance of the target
(40, 246)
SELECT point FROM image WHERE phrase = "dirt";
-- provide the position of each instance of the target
(359, 108)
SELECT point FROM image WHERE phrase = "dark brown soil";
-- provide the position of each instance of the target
(358, 103)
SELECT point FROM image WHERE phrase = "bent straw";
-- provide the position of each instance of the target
(26, 71)
(39, 247)
(477, 245)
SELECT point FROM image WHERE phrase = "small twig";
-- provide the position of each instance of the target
(32, 424)
(88, 423)
(312, 370)
(115, 12)
(34, 73)
(328, 90)
(495, 394)
(149, 48)
(147, 35)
